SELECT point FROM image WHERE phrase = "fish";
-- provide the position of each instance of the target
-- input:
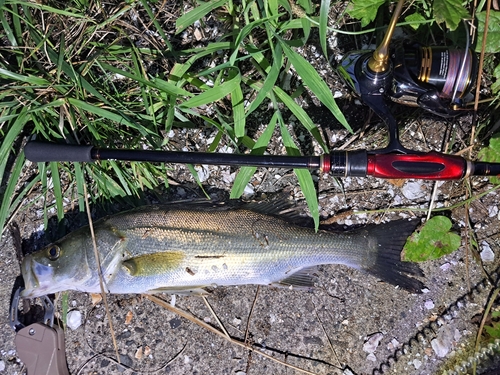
(184, 248)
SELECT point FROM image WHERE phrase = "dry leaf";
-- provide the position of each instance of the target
(128, 317)
(138, 353)
(397, 182)
(95, 298)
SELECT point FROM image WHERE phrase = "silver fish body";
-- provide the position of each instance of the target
(182, 248)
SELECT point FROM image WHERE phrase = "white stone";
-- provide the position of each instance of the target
(74, 319)
(417, 363)
(372, 343)
(429, 305)
(487, 255)
(413, 190)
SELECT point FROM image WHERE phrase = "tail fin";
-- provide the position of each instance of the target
(388, 267)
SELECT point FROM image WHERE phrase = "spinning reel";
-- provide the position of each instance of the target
(437, 79)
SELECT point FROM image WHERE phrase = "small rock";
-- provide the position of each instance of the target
(417, 363)
(442, 344)
(372, 343)
(445, 267)
(74, 319)
(429, 305)
(236, 321)
(2, 365)
(487, 255)
(413, 190)
(174, 323)
(248, 191)
(371, 357)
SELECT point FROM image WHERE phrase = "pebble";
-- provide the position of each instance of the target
(417, 363)
(74, 319)
(372, 343)
(2, 365)
(413, 190)
(492, 211)
(445, 267)
(487, 255)
(443, 342)
(429, 304)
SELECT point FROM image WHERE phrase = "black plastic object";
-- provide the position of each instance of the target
(43, 151)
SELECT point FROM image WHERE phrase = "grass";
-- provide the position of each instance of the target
(120, 75)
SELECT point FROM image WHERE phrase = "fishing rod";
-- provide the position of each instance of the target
(360, 163)
(437, 79)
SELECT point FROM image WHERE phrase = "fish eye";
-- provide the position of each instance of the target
(54, 252)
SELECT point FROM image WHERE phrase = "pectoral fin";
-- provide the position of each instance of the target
(153, 264)
(303, 279)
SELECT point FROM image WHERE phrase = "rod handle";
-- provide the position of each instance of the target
(37, 151)
(429, 166)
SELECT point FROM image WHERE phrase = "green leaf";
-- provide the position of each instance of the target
(215, 93)
(492, 154)
(197, 13)
(432, 242)
(493, 37)
(246, 173)
(301, 115)
(415, 20)
(270, 79)
(364, 10)
(303, 175)
(493, 330)
(323, 25)
(495, 87)
(316, 84)
(452, 12)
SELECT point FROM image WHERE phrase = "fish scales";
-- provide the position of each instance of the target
(228, 248)
(182, 248)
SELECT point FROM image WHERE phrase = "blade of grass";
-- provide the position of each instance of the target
(157, 25)
(315, 83)
(156, 83)
(301, 115)
(15, 129)
(246, 173)
(118, 118)
(80, 181)
(7, 207)
(215, 93)
(56, 188)
(238, 110)
(197, 13)
(303, 175)
(323, 25)
(270, 80)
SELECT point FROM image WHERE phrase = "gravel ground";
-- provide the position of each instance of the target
(350, 324)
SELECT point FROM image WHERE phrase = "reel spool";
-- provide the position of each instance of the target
(437, 79)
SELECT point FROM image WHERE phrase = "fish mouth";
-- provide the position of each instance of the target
(32, 286)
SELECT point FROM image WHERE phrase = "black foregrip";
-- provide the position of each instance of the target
(45, 151)
(486, 169)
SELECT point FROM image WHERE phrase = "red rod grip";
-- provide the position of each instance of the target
(430, 166)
